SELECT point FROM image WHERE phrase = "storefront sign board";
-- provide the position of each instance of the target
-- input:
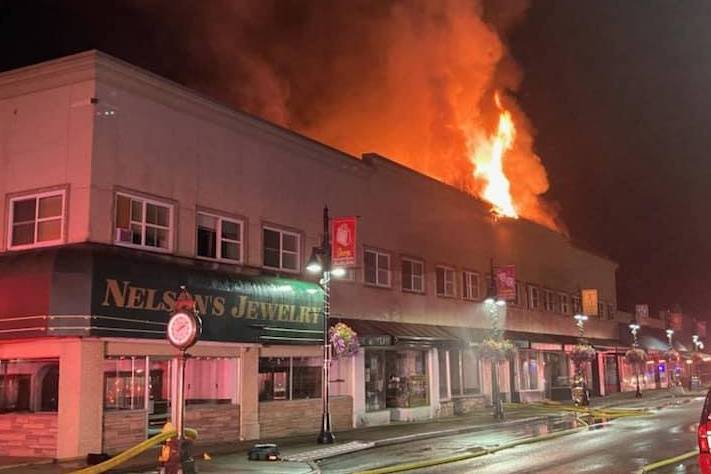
(506, 282)
(589, 297)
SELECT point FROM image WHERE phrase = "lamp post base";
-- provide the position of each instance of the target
(326, 436)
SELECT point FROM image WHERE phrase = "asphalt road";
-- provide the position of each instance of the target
(621, 446)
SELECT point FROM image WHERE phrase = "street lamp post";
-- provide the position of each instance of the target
(580, 393)
(320, 262)
(634, 328)
(670, 335)
(493, 302)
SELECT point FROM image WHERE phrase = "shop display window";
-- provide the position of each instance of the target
(407, 384)
(29, 385)
(442, 356)
(374, 380)
(289, 378)
(528, 370)
(125, 383)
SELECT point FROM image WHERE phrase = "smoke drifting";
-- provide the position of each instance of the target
(413, 80)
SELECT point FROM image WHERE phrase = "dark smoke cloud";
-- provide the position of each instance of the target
(412, 80)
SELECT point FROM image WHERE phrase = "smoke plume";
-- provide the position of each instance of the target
(413, 80)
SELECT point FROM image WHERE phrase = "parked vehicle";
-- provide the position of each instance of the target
(704, 432)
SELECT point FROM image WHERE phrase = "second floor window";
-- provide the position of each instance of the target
(575, 300)
(377, 268)
(219, 237)
(534, 297)
(282, 249)
(548, 300)
(413, 275)
(470, 286)
(36, 220)
(564, 304)
(445, 281)
(143, 222)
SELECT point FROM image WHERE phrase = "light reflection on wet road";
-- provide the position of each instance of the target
(622, 446)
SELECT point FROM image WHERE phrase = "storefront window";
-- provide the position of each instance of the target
(407, 379)
(289, 378)
(374, 380)
(210, 381)
(124, 383)
(443, 385)
(528, 370)
(29, 385)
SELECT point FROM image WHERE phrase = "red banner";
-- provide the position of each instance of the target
(506, 282)
(343, 241)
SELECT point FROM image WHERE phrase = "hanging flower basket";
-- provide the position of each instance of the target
(344, 340)
(636, 356)
(582, 353)
(492, 349)
(672, 355)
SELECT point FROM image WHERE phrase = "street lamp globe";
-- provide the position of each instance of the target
(314, 263)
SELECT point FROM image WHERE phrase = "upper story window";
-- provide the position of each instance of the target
(445, 281)
(377, 268)
(564, 303)
(143, 222)
(548, 300)
(520, 297)
(611, 311)
(471, 286)
(534, 297)
(219, 237)
(575, 300)
(413, 275)
(282, 249)
(36, 220)
(601, 309)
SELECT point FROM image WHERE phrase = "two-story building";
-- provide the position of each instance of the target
(120, 186)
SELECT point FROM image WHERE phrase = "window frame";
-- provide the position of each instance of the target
(413, 277)
(548, 300)
(539, 300)
(144, 204)
(378, 254)
(36, 196)
(453, 272)
(564, 309)
(218, 244)
(470, 297)
(299, 253)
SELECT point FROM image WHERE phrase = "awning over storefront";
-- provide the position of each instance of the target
(389, 333)
(100, 290)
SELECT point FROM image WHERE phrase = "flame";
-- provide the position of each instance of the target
(488, 159)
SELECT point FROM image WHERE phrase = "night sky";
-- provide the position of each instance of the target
(617, 93)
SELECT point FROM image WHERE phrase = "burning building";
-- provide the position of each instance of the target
(120, 186)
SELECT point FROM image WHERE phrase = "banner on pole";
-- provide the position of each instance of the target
(343, 241)
(506, 282)
(589, 298)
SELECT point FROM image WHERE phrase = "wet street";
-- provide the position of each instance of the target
(621, 446)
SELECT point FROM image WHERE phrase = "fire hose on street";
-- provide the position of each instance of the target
(578, 412)
(167, 433)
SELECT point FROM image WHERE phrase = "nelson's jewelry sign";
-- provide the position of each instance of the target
(134, 300)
